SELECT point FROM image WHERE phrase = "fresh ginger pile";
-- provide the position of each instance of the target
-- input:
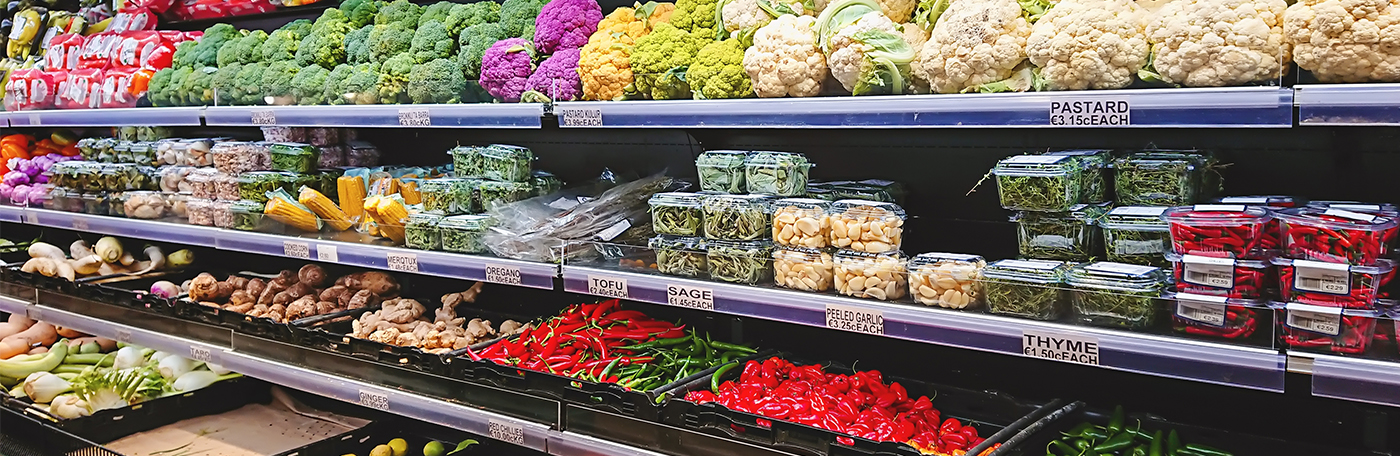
(402, 322)
(293, 295)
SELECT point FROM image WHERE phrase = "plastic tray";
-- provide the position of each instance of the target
(108, 425)
(361, 441)
(335, 337)
(133, 292)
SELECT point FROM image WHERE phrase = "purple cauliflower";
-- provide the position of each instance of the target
(20, 195)
(566, 24)
(16, 178)
(5, 191)
(557, 77)
(505, 67)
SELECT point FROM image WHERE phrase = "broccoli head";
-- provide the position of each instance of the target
(435, 12)
(198, 89)
(330, 91)
(518, 17)
(695, 16)
(282, 43)
(309, 85)
(360, 12)
(660, 60)
(389, 40)
(431, 42)
(324, 49)
(228, 53)
(159, 87)
(333, 20)
(361, 87)
(242, 50)
(718, 72)
(465, 15)
(438, 81)
(248, 84)
(505, 68)
(225, 84)
(393, 79)
(473, 42)
(357, 45)
(206, 53)
(401, 12)
(277, 80)
(184, 54)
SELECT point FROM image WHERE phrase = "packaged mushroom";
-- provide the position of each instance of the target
(676, 213)
(144, 205)
(871, 275)
(679, 256)
(172, 178)
(948, 280)
(197, 153)
(736, 217)
(866, 226)
(803, 269)
(801, 222)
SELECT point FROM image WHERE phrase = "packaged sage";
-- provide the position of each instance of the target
(721, 170)
(737, 217)
(680, 255)
(747, 262)
(776, 173)
(676, 213)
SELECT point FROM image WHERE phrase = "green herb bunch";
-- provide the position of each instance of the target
(721, 172)
(1119, 308)
(678, 220)
(776, 173)
(680, 256)
(1041, 187)
(1144, 247)
(1154, 182)
(1024, 299)
(736, 219)
(740, 262)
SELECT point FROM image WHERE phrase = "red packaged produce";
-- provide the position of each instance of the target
(133, 19)
(1326, 284)
(81, 90)
(1215, 276)
(131, 48)
(1325, 329)
(156, 6)
(63, 51)
(30, 89)
(1336, 235)
(1219, 230)
(97, 50)
(1216, 317)
(115, 89)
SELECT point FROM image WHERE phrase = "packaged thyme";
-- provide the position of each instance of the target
(1041, 183)
(1097, 164)
(1161, 179)
(680, 256)
(737, 217)
(748, 262)
(449, 196)
(676, 213)
(1025, 288)
(721, 171)
(1116, 294)
(1136, 235)
(498, 162)
(1067, 236)
(421, 232)
(776, 173)
(463, 233)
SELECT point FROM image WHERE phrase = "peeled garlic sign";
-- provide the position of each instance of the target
(797, 226)
(806, 271)
(879, 277)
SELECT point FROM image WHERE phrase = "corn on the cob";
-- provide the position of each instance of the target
(352, 195)
(408, 189)
(392, 216)
(324, 208)
(282, 208)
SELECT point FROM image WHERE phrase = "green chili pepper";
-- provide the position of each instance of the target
(714, 379)
(1173, 443)
(1078, 431)
(1156, 449)
(1140, 450)
(1117, 442)
(1202, 449)
(1115, 422)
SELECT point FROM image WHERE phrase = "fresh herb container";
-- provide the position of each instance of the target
(464, 233)
(545, 183)
(866, 226)
(421, 232)
(1159, 179)
(880, 276)
(142, 153)
(294, 157)
(504, 162)
(89, 177)
(106, 149)
(680, 255)
(776, 173)
(87, 148)
(496, 193)
(64, 174)
(96, 203)
(747, 262)
(801, 222)
(1136, 235)
(1097, 168)
(722, 171)
(1026, 288)
(1116, 294)
(449, 195)
(254, 186)
(1042, 183)
(1068, 236)
(121, 152)
(869, 189)
(803, 269)
(248, 216)
(949, 280)
(736, 217)
(676, 214)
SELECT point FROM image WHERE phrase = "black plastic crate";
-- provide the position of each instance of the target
(107, 425)
(26, 435)
(417, 434)
(132, 293)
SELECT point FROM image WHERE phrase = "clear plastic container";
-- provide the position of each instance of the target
(1046, 183)
(322, 136)
(1336, 235)
(200, 211)
(1116, 294)
(737, 217)
(1159, 179)
(1136, 235)
(498, 162)
(223, 213)
(96, 203)
(294, 157)
(176, 202)
(722, 170)
(676, 214)
(463, 233)
(65, 174)
(1216, 317)
(1333, 284)
(866, 226)
(494, 193)
(803, 269)
(66, 200)
(1386, 209)
(776, 173)
(1096, 165)
(87, 148)
(197, 152)
(1068, 236)
(949, 280)
(248, 216)
(1269, 201)
(801, 222)
(142, 153)
(106, 149)
(421, 232)
(145, 205)
(747, 262)
(1325, 329)
(362, 154)
(173, 178)
(1026, 288)
(284, 134)
(332, 156)
(545, 183)
(880, 276)
(449, 196)
(255, 185)
(201, 183)
(680, 255)
(1229, 277)
(233, 157)
(1232, 231)
(225, 187)
(869, 189)
(121, 152)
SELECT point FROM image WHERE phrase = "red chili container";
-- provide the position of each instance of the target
(1385, 209)
(1273, 234)
(1219, 230)
(1215, 276)
(1325, 329)
(1336, 235)
(1333, 284)
(1216, 317)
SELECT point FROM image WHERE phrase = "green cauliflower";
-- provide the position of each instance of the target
(281, 44)
(393, 79)
(158, 88)
(718, 72)
(696, 16)
(333, 20)
(249, 84)
(184, 54)
(473, 43)
(438, 81)
(386, 41)
(324, 49)
(225, 84)
(175, 92)
(357, 45)
(360, 12)
(206, 53)
(660, 61)
(518, 18)
(309, 85)
(435, 12)
(465, 15)
(197, 89)
(432, 42)
(243, 50)
(277, 80)
(400, 12)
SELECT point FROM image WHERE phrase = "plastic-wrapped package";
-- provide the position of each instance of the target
(176, 203)
(534, 230)
(248, 216)
(545, 183)
(1116, 294)
(223, 213)
(145, 205)
(331, 156)
(321, 137)
(947, 280)
(284, 134)
(254, 186)
(679, 256)
(362, 154)
(1026, 288)
(294, 157)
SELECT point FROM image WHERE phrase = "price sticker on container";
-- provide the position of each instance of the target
(1208, 271)
(295, 249)
(1322, 277)
(1073, 348)
(506, 431)
(80, 224)
(327, 253)
(1090, 113)
(406, 262)
(613, 287)
(377, 401)
(1318, 319)
(204, 354)
(264, 117)
(1209, 310)
(692, 297)
(580, 117)
(855, 319)
(123, 336)
(415, 118)
(508, 275)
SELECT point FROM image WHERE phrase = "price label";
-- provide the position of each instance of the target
(374, 400)
(1351, 215)
(692, 297)
(123, 336)
(506, 431)
(855, 319)
(1318, 319)
(613, 287)
(415, 118)
(1218, 208)
(80, 224)
(36, 313)
(502, 274)
(264, 117)
(1208, 271)
(1073, 348)
(580, 117)
(406, 262)
(1035, 159)
(327, 253)
(1321, 277)
(294, 249)
(1146, 211)
(31, 218)
(1209, 310)
(201, 354)
(1089, 113)
(35, 120)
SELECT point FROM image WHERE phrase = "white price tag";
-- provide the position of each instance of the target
(1148, 211)
(1037, 265)
(1253, 200)
(1204, 309)
(1073, 348)
(327, 253)
(201, 354)
(1322, 277)
(508, 275)
(580, 117)
(1089, 113)
(374, 400)
(406, 262)
(294, 249)
(1318, 319)
(692, 297)
(264, 117)
(1208, 271)
(610, 233)
(415, 118)
(564, 203)
(1350, 215)
(1356, 207)
(613, 287)
(855, 319)
(506, 431)
(1035, 159)
(1120, 268)
(123, 336)
(80, 224)
(1218, 208)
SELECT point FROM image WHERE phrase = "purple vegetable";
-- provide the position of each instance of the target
(557, 77)
(5, 191)
(505, 67)
(165, 289)
(566, 24)
(16, 178)
(41, 178)
(37, 194)
(21, 195)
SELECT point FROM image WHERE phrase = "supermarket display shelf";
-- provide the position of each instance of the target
(1352, 379)
(143, 229)
(11, 214)
(1232, 365)
(1348, 104)
(479, 115)
(1195, 108)
(120, 117)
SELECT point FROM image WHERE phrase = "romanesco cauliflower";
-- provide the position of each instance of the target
(785, 59)
(661, 58)
(975, 42)
(1212, 43)
(865, 51)
(437, 81)
(718, 72)
(1089, 44)
(697, 17)
(1346, 40)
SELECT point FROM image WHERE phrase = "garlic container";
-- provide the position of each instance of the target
(948, 280)
(803, 269)
(871, 275)
(801, 222)
(866, 226)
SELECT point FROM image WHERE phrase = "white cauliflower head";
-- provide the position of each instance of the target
(974, 42)
(1346, 40)
(898, 10)
(849, 55)
(1089, 44)
(785, 60)
(1212, 43)
(738, 15)
(916, 37)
